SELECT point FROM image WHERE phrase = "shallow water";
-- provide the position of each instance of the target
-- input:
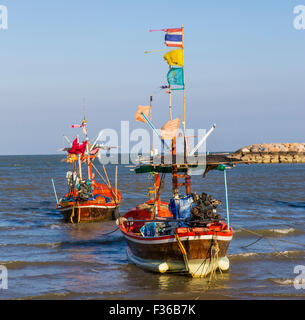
(48, 259)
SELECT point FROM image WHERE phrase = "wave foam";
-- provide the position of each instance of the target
(283, 231)
(283, 282)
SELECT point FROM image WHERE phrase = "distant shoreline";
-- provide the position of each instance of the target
(62, 154)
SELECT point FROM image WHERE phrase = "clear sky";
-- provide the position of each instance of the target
(244, 68)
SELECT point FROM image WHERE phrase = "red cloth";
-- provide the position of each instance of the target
(76, 148)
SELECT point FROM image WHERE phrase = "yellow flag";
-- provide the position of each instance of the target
(174, 57)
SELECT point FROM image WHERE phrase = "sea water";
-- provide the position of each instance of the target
(49, 259)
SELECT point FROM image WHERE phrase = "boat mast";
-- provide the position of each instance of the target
(187, 177)
(151, 131)
(175, 174)
(174, 168)
(87, 146)
(170, 99)
(79, 163)
(183, 82)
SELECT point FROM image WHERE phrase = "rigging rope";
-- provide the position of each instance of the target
(183, 251)
(109, 187)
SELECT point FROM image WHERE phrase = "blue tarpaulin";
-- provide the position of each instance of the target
(149, 229)
(181, 207)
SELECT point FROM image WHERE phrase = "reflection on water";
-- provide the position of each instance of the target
(89, 231)
(81, 281)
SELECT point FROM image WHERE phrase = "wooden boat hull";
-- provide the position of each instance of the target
(92, 210)
(197, 268)
(197, 251)
(163, 254)
(87, 213)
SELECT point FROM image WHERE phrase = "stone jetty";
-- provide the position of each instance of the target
(271, 153)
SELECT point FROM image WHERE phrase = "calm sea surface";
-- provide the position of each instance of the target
(48, 259)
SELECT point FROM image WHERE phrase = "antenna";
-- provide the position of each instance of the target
(67, 139)
(84, 108)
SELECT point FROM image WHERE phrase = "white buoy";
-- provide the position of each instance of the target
(224, 264)
(163, 267)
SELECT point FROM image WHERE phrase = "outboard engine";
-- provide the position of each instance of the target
(83, 190)
(205, 207)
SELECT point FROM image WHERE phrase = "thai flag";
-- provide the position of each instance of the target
(173, 37)
(84, 122)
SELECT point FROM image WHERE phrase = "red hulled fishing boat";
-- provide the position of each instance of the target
(87, 199)
(184, 234)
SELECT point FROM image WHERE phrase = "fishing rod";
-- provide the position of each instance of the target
(54, 189)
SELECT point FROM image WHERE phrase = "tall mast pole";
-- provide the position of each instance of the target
(175, 190)
(183, 82)
(79, 163)
(87, 139)
(151, 132)
(187, 177)
(183, 96)
(170, 99)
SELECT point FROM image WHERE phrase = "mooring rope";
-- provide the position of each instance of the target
(266, 238)
(260, 238)
(213, 260)
(214, 257)
(78, 220)
(183, 251)
(213, 275)
(72, 214)
(106, 234)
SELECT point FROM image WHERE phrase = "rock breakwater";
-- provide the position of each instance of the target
(272, 153)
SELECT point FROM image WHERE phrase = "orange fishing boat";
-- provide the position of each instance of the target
(87, 199)
(101, 204)
(184, 234)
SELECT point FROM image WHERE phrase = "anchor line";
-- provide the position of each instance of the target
(268, 240)
(106, 234)
(183, 251)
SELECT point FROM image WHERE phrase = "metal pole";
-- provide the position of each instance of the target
(170, 100)
(80, 167)
(183, 81)
(54, 191)
(175, 190)
(151, 133)
(202, 140)
(154, 129)
(116, 182)
(227, 200)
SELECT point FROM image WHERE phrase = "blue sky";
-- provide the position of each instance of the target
(244, 68)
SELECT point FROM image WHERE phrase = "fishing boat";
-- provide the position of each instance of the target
(184, 234)
(87, 199)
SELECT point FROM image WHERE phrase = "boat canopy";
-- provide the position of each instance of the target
(213, 162)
